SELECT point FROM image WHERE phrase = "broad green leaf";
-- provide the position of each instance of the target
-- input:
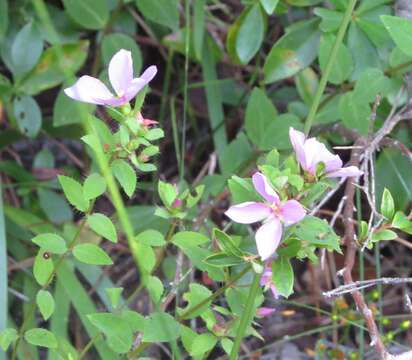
(235, 154)
(28, 115)
(146, 257)
(384, 234)
(303, 2)
(306, 84)
(90, 14)
(114, 294)
(52, 243)
(112, 43)
(250, 34)
(66, 111)
(116, 329)
(269, 5)
(342, 66)
(355, 115)
(226, 243)
(387, 205)
(367, 5)
(197, 294)
(167, 193)
(401, 221)
(91, 254)
(400, 30)
(48, 72)
(202, 344)
(41, 337)
(26, 49)
(125, 175)
(7, 336)
(293, 52)
(223, 260)
(331, 19)
(317, 232)
(242, 190)
(4, 18)
(370, 83)
(155, 288)
(43, 267)
(160, 327)
(198, 27)
(260, 112)
(103, 226)
(55, 206)
(94, 186)
(163, 12)
(45, 302)
(282, 276)
(151, 237)
(189, 238)
(74, 192)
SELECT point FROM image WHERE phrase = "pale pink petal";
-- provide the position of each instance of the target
(297, 140)
(266, 277)
(90, 90)
(139, 83)
(265, 311)
(292, 211)
(268, 237)
(121, 71)
(316, 152)
(275, 292)
(263, 187)
(350, 171)
(248, 212)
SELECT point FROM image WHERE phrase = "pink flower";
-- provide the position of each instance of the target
(145, 122)
(267, 282)
(273, 212)
(265, 311)
(91, 90)
(310, 153)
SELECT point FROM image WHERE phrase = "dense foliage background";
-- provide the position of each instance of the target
(233, 77)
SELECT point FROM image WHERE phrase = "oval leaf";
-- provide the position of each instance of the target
(91, 254)
(103, 226)
(51, 243)
(41, 337)
(45, 302)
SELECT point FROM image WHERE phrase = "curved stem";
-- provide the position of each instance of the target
(324, 79)
(246, 317)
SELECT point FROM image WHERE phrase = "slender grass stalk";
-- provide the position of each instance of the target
(246, 317)
(3, 271)
(325, 76)
(361, 271)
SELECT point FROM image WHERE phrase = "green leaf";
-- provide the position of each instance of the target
(269, 5)
(45, 302)
(189, 237)
(66, 111)
(331, 19)
(354, 115)
(202, 344)
(317, 232)
(41, 337)
(387, 205)
(160, 327)
(102, 226)
(151, 237)
(146, 257)
(7, 336)
(94, 186)
(282, 276)
(43, 267)
(49, 242)
(90, 14)
(306, 84)
(116, 329)
(48, 72)
(250, 34)
(293, 52)
(370, 83)
(55, 206)
(167, 193)
(163, 12)
(4, 18)
(223, 260)
(26, 49)
(73, 191)
(28, 115)
(343, 65)
(91, 254)
(125, 175)
(400, 30)
(112, 43)
(384, 235)
(114, 295)
(155, 288)
(226, 243)
(401, 221)
(198, 27)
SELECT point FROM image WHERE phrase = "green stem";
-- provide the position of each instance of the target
(324, 79)
(246, 317)
(361, 270)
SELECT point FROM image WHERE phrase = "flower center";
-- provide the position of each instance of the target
(276, 210)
